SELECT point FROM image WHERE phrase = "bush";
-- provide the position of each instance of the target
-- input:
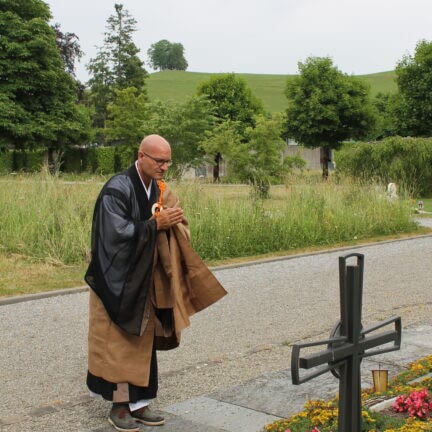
(99, 160)
(6, 162)
(19, 161)
(124, 157)
(29, 161)
(105, 157)
(75, 160)
(404, 161)
(34, 160)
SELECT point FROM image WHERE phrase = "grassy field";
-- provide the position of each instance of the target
(21, 274)
(177, 85)
(45, 230)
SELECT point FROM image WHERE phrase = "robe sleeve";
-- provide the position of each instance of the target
(120, 271)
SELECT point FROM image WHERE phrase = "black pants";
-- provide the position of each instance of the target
(106, 389)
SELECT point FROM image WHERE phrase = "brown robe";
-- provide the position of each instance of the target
(183, 285)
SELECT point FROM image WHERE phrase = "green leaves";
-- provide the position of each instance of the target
(231, 98)
(327, 107)
(165, 55)
(414, 79)
(36, 94)
(116, 65)
(406, 161)
(183, 125)
(126, 116)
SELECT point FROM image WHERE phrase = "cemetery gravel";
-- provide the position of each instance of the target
(270, 305)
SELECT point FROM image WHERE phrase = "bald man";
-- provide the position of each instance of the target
(122, 365)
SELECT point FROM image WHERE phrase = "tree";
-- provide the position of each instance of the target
(183, 125)
(222, 139)
(116, 65)
(414, 79)
(254, 156)
(101, 90)
(27, 9)
(263, 159)
(37, 96)
(165, 55)
(70, 52)
(127, 116)
(231, 99)
(158, 54)
(70, 49)
(326, 107)
(177, 59)
(386, 106)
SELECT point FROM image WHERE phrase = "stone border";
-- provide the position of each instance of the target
(318, 252)
(42, 295)
(382, 405)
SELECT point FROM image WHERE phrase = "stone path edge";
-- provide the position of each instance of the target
(67, 291)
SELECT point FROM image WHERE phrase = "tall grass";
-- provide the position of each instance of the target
(50, 219)
(46, 218)
(226, 226)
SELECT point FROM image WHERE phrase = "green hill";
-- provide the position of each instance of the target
(177, 85)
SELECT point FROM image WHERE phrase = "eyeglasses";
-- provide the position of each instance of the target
(160, 162)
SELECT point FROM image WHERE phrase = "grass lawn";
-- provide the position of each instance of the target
(177, 85)
(22, 275)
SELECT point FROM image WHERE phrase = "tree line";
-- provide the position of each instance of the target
(43, 105)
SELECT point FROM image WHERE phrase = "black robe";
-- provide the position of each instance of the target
(122, 248)
(120, 271)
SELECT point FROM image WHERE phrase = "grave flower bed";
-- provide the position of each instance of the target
(411, 410)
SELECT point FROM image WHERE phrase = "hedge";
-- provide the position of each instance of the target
(100, 160)
(6, 162)
(34, 160)
(404, 161)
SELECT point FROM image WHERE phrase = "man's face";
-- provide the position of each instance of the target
(154, 162)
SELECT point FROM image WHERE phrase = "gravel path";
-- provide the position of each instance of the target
(269, 305)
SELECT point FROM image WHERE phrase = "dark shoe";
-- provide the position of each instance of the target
(121, 419)
(145, 416)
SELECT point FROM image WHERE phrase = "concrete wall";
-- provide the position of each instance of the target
(311, 156)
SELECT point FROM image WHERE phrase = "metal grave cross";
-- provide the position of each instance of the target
(347, 346)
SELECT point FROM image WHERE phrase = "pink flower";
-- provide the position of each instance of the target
(417, 404)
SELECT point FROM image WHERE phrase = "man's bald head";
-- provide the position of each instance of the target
(154, 143)
(154, 158)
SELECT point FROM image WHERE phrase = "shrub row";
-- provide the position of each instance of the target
(21, 161)
(404, 161)
(99, 160)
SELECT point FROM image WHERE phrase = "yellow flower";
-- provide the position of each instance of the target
(367, 417)
(413, 425)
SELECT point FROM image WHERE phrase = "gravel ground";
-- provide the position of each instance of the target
(269, 306)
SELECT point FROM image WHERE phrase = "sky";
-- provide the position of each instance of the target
(260, 36)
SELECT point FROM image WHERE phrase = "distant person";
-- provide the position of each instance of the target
(141, 285)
